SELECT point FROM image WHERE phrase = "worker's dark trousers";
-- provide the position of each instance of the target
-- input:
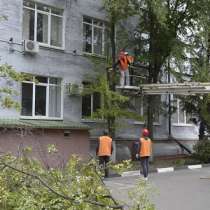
(103, 160)
(145, 165)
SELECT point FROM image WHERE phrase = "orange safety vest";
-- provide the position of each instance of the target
(105, 146)
(125, 60)
(146, 147)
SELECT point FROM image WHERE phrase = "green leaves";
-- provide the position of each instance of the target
(114, 105)
(25, 184)
(10, 79)
(118, 10)
(202, 151)
(140, 196)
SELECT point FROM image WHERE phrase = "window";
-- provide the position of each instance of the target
(42, 97)
(180, 116)
(90, 104)
(93, 36)
(139, 105)
(136, 104)
(43, 24)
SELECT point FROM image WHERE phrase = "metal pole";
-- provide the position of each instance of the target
(169, 102)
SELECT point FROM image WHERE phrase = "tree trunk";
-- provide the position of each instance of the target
(150, 115)
(112, 76)
(113, 52)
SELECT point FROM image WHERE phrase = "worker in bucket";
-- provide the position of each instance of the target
(124, 60)
(145, 151)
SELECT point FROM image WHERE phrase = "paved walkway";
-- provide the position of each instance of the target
(178, 190)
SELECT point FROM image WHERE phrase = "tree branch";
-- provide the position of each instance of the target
(5, 165)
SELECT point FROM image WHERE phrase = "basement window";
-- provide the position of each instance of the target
(67, 133)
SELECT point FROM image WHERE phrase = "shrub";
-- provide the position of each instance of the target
(202, 151)
(25, 184)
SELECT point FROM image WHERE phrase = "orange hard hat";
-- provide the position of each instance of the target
(145, 132)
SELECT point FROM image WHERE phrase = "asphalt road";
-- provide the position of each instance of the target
(179, 190)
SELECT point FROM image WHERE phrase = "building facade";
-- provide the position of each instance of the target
(68, 33)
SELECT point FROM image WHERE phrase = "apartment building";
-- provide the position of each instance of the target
(53, 40)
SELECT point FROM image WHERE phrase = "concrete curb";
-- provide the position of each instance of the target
(166, 170)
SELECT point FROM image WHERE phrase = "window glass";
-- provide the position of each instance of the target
(35, 94)
(182, 116)
(96, 101)
(29, 4)
(42, 28)
(179, 115)
(41, 79)
(87, 38)
(97, 22)
(174, 116)
(156, 109)
(87, 20)
(43, 7)
(56, 31)
(40, 101)
(55, 81)
(54, 101)
(27, 98)
(86, 106)
(136, 105)
(107, 48)
(56, 11)
(93, 36)
(97, 41)
(50, 35)
(28, 24)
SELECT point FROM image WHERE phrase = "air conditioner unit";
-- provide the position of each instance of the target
(74, 89)
(31, 46)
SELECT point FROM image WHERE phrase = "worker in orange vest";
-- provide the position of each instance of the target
(104, 151)
(145, 150)
(124, 60)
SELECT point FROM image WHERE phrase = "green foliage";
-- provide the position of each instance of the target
(52, 149)
(118, 10)
(3, 17)
(10, 76)
(202, 151)
(140, 198)
(172, 27)
(25, 184)
(174, 31)
(121, 167)
(205, 109)
(114, 105)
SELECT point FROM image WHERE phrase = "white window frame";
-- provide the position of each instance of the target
(92, 35)
(47, 85)
(178, 112)
(141, 112)
(49, 14)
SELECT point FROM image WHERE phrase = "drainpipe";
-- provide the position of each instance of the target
(169, 103)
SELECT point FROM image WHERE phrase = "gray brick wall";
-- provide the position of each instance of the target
(58, 63)
(50, 62)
